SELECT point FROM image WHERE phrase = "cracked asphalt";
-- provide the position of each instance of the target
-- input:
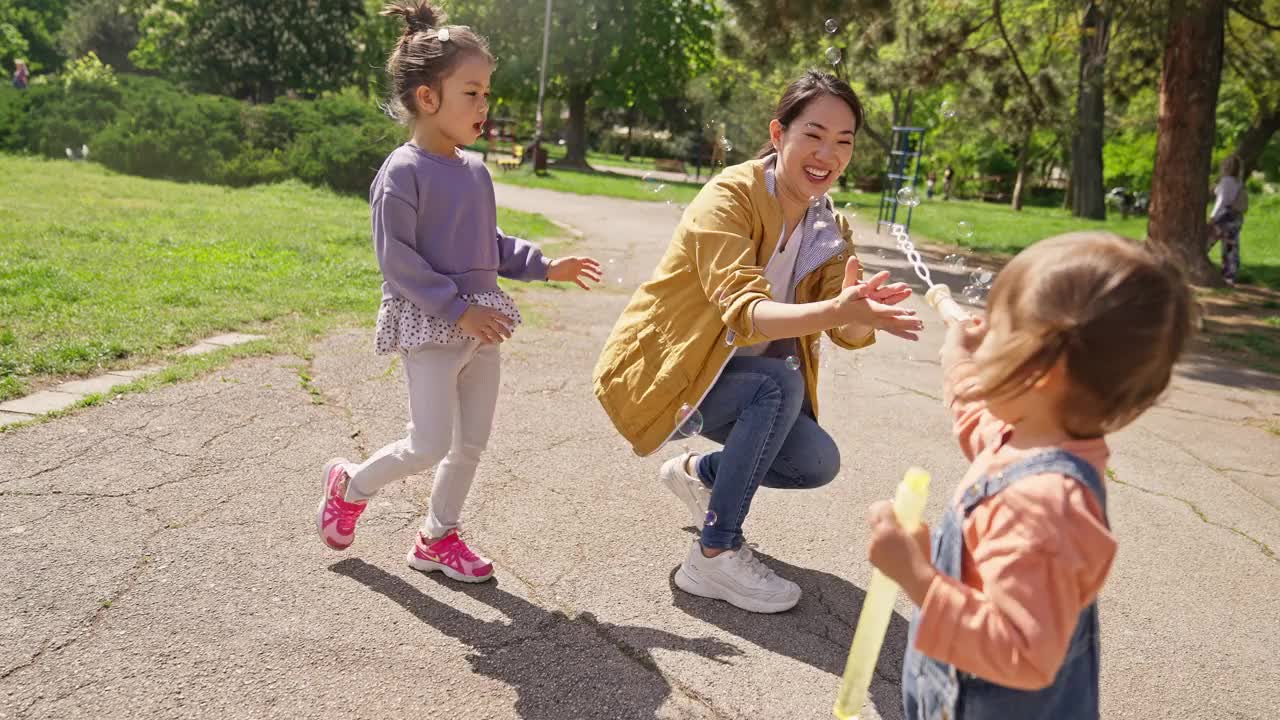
(160, 557)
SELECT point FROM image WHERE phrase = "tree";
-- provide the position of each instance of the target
(250, 50)
(618, 53)
(103, 27)
(1253, 58)
(1087, 193)
(1189, 82)
(29, 30)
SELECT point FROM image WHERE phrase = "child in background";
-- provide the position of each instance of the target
(441, 253)
(1081, 335)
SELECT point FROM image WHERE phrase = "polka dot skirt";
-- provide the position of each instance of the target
(403, 326)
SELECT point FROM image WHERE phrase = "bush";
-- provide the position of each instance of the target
(168, 134)
(149, 127)
(342, 157)
(88, 72)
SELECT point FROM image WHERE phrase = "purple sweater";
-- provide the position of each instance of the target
(435, 231)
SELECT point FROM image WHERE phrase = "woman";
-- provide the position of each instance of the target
(729, 323)
(20, 74)
(1231, 202)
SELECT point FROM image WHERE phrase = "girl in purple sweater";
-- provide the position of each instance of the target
(441, 253)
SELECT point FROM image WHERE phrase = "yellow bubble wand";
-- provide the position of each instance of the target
(908, 506)
(877, 607)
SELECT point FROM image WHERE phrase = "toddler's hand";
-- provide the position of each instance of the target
(901, 555)
(962, 341)
(576, 270)
(486, 324)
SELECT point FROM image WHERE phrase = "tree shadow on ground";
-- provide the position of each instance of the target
(817, 632)
(560, 667)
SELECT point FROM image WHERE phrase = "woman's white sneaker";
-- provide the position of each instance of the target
(688, 488)
(737, 577)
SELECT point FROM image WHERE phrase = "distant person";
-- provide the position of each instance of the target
(1231, 202)
(930, 182)
(948, 178)
(438, 244)
(20, 74)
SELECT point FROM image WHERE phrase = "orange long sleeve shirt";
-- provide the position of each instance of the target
(1035, 555)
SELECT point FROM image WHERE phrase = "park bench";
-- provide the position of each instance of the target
(513, 162)
(669, 165)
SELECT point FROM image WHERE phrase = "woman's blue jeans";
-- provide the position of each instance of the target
(758, 411)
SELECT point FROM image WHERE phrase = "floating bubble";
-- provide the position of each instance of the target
(649, 177)
(659, 188)
(710, 519)
(947, 110)
(793, 362)
(814, 201)
(964, 229)
(617, 281)
(728, 146)
(832, 26)
(820, 225)
(833, 55)
(954, 262)
(688, 421)
(973, 294)
(908, 196)
(981, 277)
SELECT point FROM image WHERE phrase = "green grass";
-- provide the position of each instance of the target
(99, 270)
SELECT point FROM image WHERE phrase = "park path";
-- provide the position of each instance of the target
(160, 558)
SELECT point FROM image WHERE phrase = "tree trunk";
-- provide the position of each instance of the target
(1189, 83)
(1024, 152)
(576, 142)
(1089, 198)
(1255, 140)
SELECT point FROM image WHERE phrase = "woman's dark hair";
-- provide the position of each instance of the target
(425, 53)
(804, 90)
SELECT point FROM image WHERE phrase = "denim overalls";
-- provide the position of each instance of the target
(932, 690)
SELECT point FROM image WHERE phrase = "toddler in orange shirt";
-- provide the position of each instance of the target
(1081, 335)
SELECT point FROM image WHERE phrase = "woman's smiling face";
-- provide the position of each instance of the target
(815, 149)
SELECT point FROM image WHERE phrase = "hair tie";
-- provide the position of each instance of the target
(443, 35)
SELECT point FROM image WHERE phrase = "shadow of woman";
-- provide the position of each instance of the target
(817, 632)
(560, 667)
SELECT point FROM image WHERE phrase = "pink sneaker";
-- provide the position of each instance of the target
(336, 518)
(451, 556)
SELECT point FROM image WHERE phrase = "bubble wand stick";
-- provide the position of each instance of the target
(939, 295)
(877, 606)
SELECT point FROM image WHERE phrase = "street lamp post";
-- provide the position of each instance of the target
(542, 88)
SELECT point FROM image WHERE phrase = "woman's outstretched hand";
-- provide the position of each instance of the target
(870, 304)
(876, 289)
(575, 270)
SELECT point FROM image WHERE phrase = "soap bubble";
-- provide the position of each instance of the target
(814, 201)
(820, 225)
(710, 519)
(649, 177)
(908, 196)
(688, 421)
(947, 110)
(832, 26)
(954, 262)
(659, 188)
(793, 362)
(964, 229)
(974, 294)
(981, 277)
(848, 205)
(833, 55)
(728, 146)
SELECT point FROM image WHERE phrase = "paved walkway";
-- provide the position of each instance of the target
(161, 559)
